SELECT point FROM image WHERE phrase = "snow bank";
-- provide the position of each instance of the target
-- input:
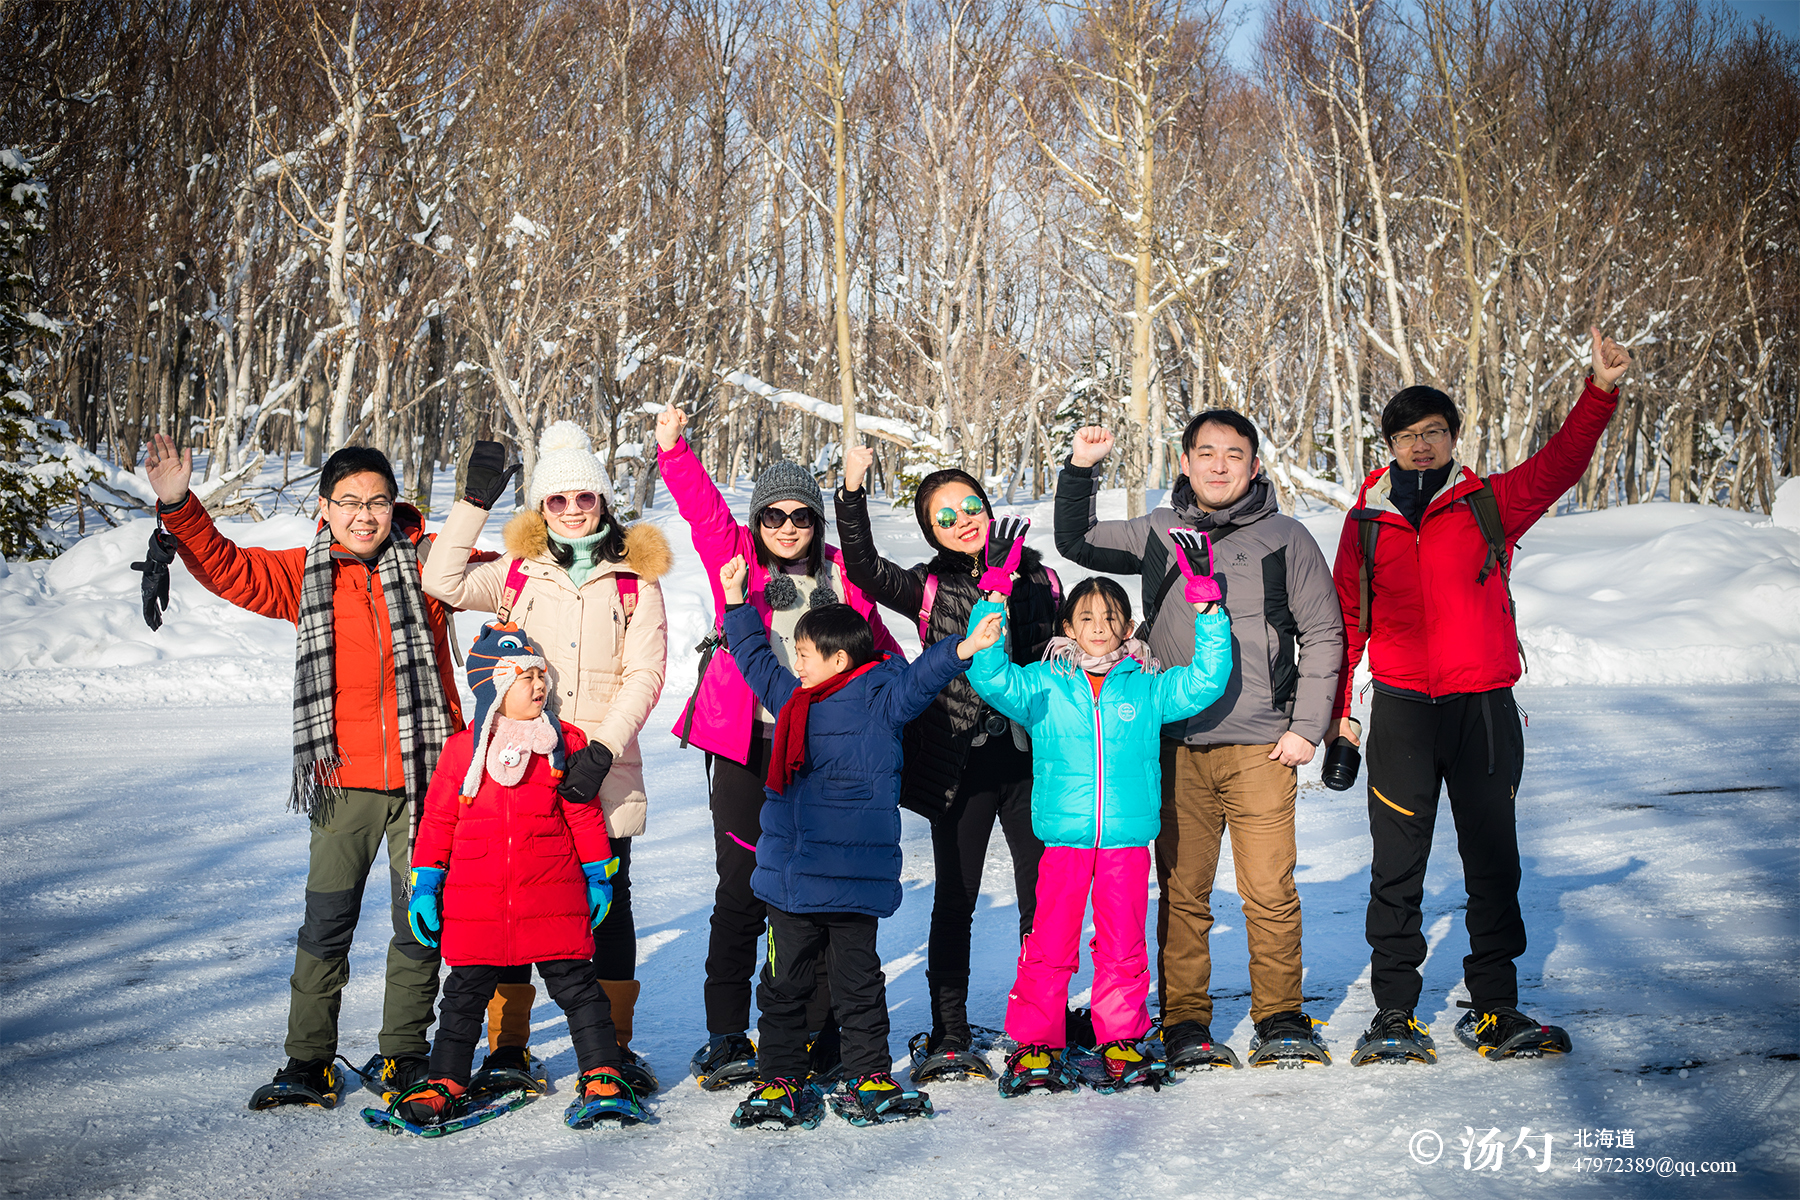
(1650, 595)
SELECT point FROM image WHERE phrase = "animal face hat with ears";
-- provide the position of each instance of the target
(499, 656)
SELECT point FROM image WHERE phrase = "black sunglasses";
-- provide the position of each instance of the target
(775, 518)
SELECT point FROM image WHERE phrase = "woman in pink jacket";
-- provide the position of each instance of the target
(792, 569)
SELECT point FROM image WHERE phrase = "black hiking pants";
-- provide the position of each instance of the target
(799, 944)
(571, 984)
(738, 917)
(1474, 747)
(996, 785)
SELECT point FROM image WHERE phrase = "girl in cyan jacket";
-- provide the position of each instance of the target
(1095, 708)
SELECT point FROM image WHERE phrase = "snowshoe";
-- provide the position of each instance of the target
(1394, 1037)
(603, 1095)
(509, 1068)
(780, 1104)
(637, 1074)
(951, 1059)
(981, 1038)
(1287, 1040)
(1189, 1046)
(1508, 1033)
(1118, 1065)
(727, 1060)
(459, 1111)
(878, 1100)
(389, 1075)
(1037, 1069)
(303, 1081)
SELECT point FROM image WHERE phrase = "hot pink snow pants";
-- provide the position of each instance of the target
(1120, 880)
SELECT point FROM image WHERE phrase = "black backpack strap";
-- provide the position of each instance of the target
(1486, 507)
(1369, 530)
(1162, 593)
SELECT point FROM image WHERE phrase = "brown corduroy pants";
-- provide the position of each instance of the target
(1205, 791)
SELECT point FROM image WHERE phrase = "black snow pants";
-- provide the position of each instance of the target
(798, 944)
(571, 984)
(1473, 746)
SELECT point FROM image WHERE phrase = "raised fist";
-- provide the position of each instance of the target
(669, 424)
(732, 577)
(1610, 360)
(856, 467)
(1092, 443)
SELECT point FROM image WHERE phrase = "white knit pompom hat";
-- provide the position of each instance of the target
(567, 463)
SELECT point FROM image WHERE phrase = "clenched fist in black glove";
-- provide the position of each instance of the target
(487, 475)
(584, 773)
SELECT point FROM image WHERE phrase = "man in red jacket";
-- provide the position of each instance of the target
(1444, 653)
(374, 700)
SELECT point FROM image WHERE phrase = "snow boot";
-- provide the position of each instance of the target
(1036, 1069)
(878, 1100)
(1287, 1040)
(313, 1081)
(509, 1016)
(1508, 1033)
(780, 1104)
(726, 1060)
(429, 1102)
(510, 1068)
(1394, 1037)
(389, 1075)
(948, 1058)
(622, 994)
(602, 1094)
(1189, 1046)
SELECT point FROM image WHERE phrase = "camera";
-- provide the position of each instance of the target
(1342, 761)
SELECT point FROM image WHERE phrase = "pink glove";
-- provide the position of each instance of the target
(1005, 544)
(1194, 552)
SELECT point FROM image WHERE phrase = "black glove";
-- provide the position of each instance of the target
(584, 773)
(156, 576)
(487, 475)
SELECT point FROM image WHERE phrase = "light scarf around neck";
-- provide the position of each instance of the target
(582, 564)
(1066, 654)
(421, 711)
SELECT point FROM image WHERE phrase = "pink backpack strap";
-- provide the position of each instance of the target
(628, 594)
(1056, 592)
(509, 595)
(931, 587)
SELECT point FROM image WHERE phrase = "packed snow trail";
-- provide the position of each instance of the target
(151, 881)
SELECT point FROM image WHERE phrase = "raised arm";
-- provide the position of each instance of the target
(748, 642)
(918, 685)
(451, 573)
(717, 534)
(1002, 683)
(1187, 691)
(1110, 546)
(884, 582)
(1525, 493)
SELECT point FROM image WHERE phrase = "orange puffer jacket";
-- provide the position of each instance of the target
(268, 582)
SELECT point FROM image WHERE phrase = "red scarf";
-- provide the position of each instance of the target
(789, 754)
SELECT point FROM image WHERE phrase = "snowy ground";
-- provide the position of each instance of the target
(150, 885)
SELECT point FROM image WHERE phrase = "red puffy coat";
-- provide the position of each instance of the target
(515, 892)
(1434, 631)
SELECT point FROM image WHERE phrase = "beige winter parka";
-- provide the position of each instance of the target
(605, 676)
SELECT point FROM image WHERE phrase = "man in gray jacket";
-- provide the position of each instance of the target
(1231, 767)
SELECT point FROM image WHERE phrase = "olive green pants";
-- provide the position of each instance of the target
(346, 837)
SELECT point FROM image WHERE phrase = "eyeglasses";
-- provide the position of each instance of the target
(971, 506)
(381, 506)
(584, 501)
(1431, 437)
(775, 518)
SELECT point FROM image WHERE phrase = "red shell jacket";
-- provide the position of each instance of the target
(268, 582)
(515, 892)
(1435, 632)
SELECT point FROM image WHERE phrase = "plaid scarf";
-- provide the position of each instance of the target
(423, 714)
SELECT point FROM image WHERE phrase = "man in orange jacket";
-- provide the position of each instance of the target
(374, 700)
(1443, 647)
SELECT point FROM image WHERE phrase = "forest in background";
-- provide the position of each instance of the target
(958, 227)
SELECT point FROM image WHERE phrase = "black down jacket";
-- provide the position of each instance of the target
(937, 743)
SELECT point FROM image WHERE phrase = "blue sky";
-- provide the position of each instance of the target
(1784, 15)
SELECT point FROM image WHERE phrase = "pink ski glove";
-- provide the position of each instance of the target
(1005, 544)
(1194, 552)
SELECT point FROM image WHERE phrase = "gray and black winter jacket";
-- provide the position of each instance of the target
(1287, 629)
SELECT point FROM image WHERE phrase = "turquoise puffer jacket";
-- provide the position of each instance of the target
(1096, 767)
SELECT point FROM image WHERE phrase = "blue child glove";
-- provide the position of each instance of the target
(599, 881)
(425, 911)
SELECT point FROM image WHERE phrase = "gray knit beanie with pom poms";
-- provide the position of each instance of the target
(787, 481)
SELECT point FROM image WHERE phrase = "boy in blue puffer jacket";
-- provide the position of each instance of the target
(828, 860)
(1095, 708)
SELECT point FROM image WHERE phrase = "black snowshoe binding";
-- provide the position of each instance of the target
(1287, 1040)
(1394, 1037)
(314, 1082)
(389, 1075)
(1037, 1069)
(508, 1068)
(1189, 1046)
(1508, 1033)
(878, 1100)
(780, 1104)
(726, 1061)
(1117, 1066)
(950, 1059)
(428, 1109)
(637, 1073)
(602, 1095)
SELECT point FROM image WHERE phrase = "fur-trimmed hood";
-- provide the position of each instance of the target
(647, 551)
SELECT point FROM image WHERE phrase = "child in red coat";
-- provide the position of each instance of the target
(508, 872)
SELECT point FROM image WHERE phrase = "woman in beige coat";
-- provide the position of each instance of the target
(588, 594)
